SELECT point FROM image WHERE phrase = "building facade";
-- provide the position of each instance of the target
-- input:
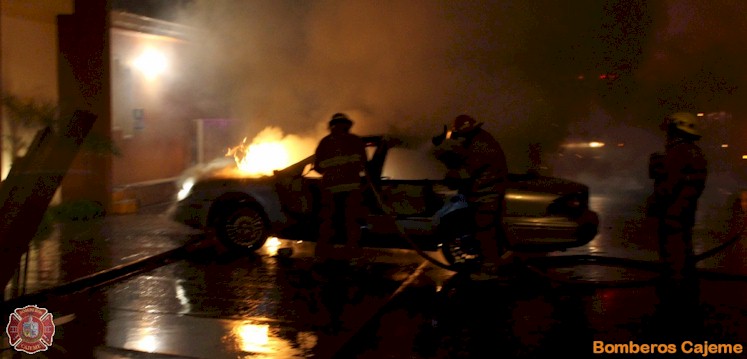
(122, 67)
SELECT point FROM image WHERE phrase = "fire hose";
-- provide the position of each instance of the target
(403, 233)
(654, 266)
(731, 238)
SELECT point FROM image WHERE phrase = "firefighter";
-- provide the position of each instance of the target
(476, 162)
(340, 158)
(679, 175)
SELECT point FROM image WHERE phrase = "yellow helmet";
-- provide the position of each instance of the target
(683, 121)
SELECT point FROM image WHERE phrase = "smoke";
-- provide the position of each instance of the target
(529, 70)
(694, 62)
(398, 67)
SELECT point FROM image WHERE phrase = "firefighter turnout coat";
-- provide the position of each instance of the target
(340, 158)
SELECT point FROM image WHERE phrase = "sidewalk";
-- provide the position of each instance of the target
(73, 255)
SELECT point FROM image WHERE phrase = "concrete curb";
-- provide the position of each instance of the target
(106, 276)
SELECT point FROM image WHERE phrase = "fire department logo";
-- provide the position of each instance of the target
(30, 329)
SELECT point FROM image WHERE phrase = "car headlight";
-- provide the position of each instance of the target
(185, 189)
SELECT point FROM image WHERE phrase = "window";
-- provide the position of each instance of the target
(412, 164)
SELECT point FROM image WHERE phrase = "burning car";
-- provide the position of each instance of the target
(542, 213)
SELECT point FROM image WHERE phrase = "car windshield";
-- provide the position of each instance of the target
(401, 163)
(412, 164)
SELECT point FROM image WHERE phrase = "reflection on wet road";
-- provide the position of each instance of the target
(228, 306)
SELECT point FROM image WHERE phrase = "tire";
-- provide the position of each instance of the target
(244, 229)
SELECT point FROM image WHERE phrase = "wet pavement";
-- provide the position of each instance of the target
(74, 250)
(227, 307)
(396, 305)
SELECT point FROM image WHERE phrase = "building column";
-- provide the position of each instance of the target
(85, 84)
(2, 93)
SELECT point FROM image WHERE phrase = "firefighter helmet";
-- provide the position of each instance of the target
(683, 121)
(340, 119)
(464, 124)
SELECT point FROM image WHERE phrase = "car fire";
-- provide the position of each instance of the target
(269, 151)
(259, 158)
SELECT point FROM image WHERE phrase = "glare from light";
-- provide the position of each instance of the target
(592, 144)
(149, 343)
(744, 157)
(181, 295)
(529, 197)
(186, 188)
(725, 145)
(700, 114)
(273, 241)
(253, 338)
(151, 63)
(272, 244)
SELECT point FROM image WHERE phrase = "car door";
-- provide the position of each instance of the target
(298, 191)
(405, 192)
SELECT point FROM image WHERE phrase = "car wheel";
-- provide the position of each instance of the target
(244, 228)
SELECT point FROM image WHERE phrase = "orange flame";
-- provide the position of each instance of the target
(270, 150)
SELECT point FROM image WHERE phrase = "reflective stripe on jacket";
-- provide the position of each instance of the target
(340, 158)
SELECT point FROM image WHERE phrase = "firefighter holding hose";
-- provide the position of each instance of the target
(679, 175)
(340, 158)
